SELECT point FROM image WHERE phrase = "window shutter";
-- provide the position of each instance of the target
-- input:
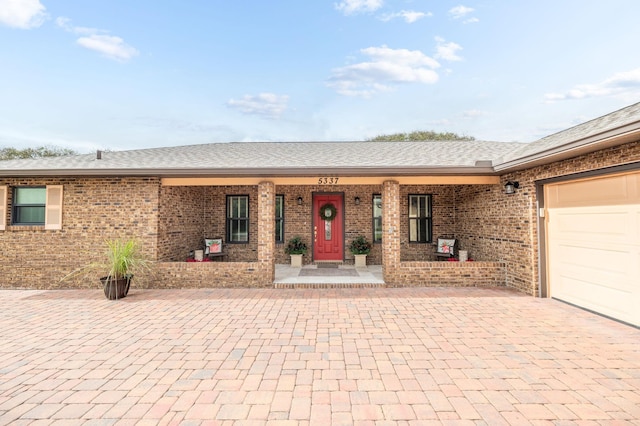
(3, 207)
(53, 210)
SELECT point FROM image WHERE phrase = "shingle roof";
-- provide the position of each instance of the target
(364, 158)
(615, 123)
(274, 157)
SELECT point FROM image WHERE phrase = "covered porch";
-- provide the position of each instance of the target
(394, 261)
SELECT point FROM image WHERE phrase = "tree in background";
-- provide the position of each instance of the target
(421, 135)
(42, 151)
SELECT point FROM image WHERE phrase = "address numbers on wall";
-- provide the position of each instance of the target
(328, 180)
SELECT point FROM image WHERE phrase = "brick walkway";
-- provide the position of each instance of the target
(288, 357)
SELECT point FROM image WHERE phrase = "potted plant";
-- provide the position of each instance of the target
(296, 248)
(122, 258)
(360, 248)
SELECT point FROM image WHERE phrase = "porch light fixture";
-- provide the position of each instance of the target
(357, 200)
(510, 187)
(299, 201)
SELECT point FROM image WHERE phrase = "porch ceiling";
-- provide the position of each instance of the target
(340, 180)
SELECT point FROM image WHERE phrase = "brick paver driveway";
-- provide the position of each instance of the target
(349, 356)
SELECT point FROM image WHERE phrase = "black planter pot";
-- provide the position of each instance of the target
(116, 288)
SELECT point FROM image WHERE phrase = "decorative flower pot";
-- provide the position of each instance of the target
(116, 289)
(296, 260)
(361, 260)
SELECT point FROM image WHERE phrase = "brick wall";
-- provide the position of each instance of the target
(443, 219)
(94, 209)
(298, 219)
(266, 231)
(390, 226)
(447, 274)
(208, 275)
(500, 227)
(498, 230)
(494, 226)
(181, 221)
(215, 214)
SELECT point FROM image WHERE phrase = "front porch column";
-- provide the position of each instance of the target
(390, 231)
(266, 231)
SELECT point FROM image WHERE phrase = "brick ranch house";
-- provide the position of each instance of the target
(570, 230)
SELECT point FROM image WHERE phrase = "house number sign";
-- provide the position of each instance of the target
(328, 180)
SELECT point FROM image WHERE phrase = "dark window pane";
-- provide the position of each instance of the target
(30, 196)
(377, 218)
(420, 218)
(29, 215)
(238, 218)
(279, 231)
(29, 206)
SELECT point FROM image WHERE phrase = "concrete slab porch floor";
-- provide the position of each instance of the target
(342, 276)
(366, 356)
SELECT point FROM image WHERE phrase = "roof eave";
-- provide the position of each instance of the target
(256, 172)
(608, 139)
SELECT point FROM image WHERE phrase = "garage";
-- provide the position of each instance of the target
(593, 244)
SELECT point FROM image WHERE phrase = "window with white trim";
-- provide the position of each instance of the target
(279, 218)
(420, 218)
(34, 206)
(29, 205)
(377, 218)
(237, 218)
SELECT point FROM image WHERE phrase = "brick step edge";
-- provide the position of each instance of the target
(328, 285)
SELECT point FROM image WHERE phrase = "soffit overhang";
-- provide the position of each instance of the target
(614, 137)
(482, 170)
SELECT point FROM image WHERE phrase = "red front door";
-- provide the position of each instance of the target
(328, 227)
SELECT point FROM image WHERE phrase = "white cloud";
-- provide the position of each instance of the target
(385, 68)
(471, 21)
(619, 83)
(349, 7)
(23, 14)
(460, 11)
(265, 104)
(410, 16)
(110, 46)
(447, 50)
(473, 113)
(100, 41)
(65, 24)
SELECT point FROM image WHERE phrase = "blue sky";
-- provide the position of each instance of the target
(112, 74)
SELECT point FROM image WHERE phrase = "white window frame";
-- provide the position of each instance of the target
(3, 207)
(238, 217)
(52, 207)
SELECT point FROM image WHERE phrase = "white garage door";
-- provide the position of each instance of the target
(593, 244)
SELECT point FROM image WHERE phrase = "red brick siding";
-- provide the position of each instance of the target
(215, 220)
(448, 274)
(94, 210)
(358, 219)
(181, 222)
(209, 275)
(500, 227)
(443, 219)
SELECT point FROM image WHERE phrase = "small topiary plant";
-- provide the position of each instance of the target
(360, 245)
(296, 246)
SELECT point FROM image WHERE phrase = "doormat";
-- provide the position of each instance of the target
(328, 272)
(327, 265)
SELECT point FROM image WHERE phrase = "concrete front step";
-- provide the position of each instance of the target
(328, 285)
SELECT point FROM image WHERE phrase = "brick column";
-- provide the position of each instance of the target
(390, 230)
(266, 232)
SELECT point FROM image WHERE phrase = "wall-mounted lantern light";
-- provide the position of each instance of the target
(299, 201)
(510, 187)
(357, 200)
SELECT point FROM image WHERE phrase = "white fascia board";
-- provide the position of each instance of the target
(614, 137)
